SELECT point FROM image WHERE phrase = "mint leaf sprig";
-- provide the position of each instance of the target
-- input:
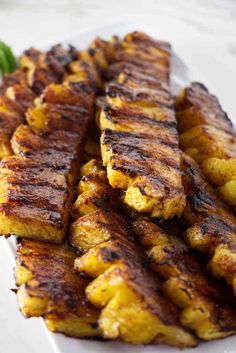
(7, 59)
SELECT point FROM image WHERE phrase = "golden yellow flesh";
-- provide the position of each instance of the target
(48, 287)
(202, 303)
(212, 226)
(38, 193)
(208, 136)
(139, 144)
(122, 288)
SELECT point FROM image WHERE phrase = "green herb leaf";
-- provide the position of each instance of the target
(7, 60)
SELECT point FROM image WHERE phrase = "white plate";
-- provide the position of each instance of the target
(181, 76)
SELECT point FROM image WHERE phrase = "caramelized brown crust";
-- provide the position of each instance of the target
(22, 94)
(213, 226)
(140, 49)
(17, 77)
(20, 88)
(202, 303)
(37, 184)
(125, 290)
(202, 200)
(48, 67)
(134, 67)
(48, 287)
(26, 142)
(138, 118)
(209, 137)
(196, 106)
(35, 197)
(133, 119)
(10, 115)
(62, 108)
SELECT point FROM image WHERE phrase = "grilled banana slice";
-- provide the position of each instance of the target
(132, 307)
(48, 287)
(208, 136)
(212, 226)
(185, 283)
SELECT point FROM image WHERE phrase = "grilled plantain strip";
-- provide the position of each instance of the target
(209, 137)
(212, 228)
(139, 117)
(127, 294)
(48, 287)
(37, 183)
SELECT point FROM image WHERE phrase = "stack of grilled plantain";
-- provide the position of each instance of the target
(107, 210)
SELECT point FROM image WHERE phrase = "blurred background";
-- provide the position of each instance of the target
(202, 31)
(27, 22)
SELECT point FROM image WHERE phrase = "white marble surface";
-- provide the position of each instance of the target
(203, 31)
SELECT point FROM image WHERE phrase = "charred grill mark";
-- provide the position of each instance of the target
(129, 67)
(34, 183)
(200, 199)
(39, 183)
(141, 38)
(140, 167)
(117, 115)
(203, 108)
(40, 79)
(37, 195)
(201, 196)
(219, 227)
(128, 138)
(190, 277)
(116, 90)
(157, 181)
(121, 250)
(53, 278)
(141, 139)
(54, 164)
(50, 216)
(212, 226)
